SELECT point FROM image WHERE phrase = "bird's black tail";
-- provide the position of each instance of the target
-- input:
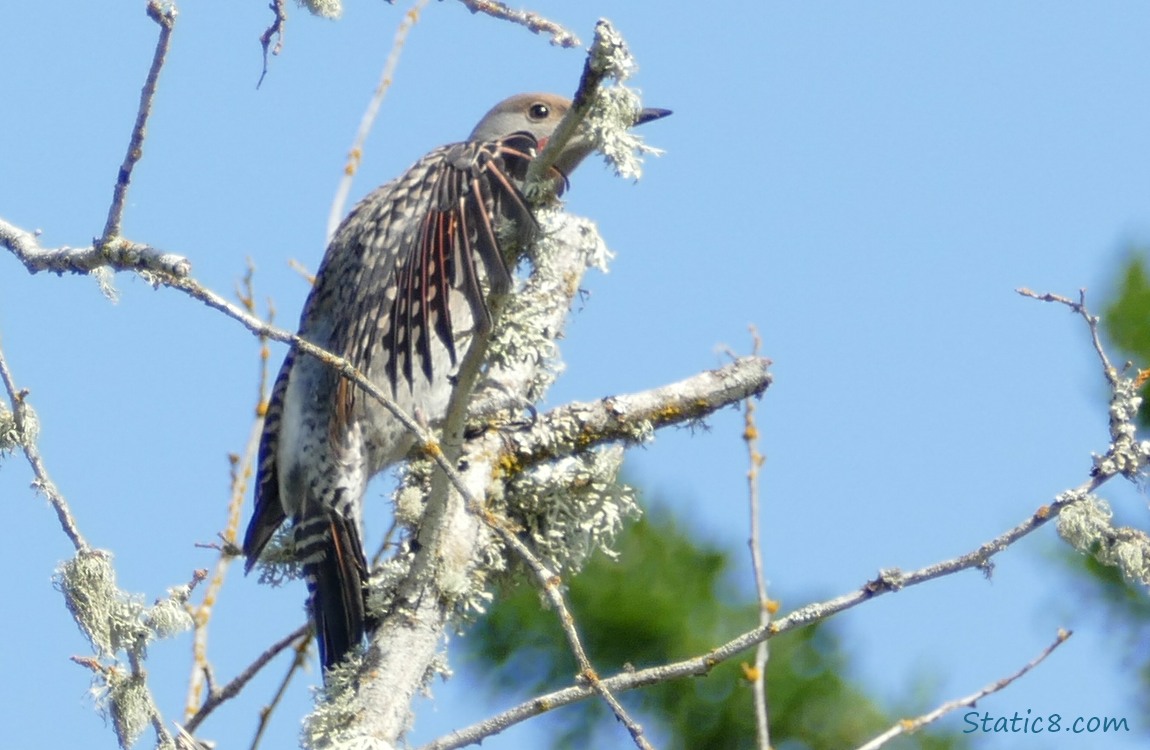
(336, 573)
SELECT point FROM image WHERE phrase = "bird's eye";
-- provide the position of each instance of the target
(539, 111)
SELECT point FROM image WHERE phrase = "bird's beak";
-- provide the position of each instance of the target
(649, 114)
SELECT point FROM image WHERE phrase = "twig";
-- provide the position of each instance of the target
(1079, 307)
(232, 689)
(118, 254)
(22, 415)
(560, 36)
(241, 472)
(202, 614)
(296, 665)
(551, 584)
(594, 73)
(276, 29)
(631, 417)
(1127, 455)
(906, 726)
(166, 18)
(755, 462)
(355, 155)
(887, 582)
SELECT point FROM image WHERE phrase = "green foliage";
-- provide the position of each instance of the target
(1126, 318)
(664, 599)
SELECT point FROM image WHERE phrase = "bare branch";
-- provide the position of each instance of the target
(165, 16)
(297, 664)
(552, 588)
(632, 417)
(906, 726)
(355, 155)
(1126, 455)
(241, 472)
(275, 29)
(754, 463)
(534, 22)
(233, 688)
(1079, 307)
(117, 253)
(26, 430)
(201, 615)
(887, 582)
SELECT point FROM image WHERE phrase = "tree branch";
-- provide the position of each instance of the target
(118, 254)
(355, 155)
(632, 418)
(26, 429)
(165, 16)
(906, 726)
(534, 22)
(758, 674)
(888, 581)
(233, 688)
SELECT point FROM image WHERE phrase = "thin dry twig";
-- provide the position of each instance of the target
(906, 726)
(232, 689)
(276, 30)
(1092, 321)
(536, 23)
(165, 16)
(1127, 455)
(201, 615)
(755, 463)
(241, 472)
(355, 155)
(297, 664)
(552, 587)
(22, 414)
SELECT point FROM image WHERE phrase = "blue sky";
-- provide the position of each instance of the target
(866, 183)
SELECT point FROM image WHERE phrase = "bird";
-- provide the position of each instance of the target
(402, 292)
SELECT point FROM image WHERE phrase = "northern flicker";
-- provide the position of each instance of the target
(401, 293)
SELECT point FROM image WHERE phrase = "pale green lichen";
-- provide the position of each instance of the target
(115, 621)
(331, 9)
(111, 619)
(1086, 525)
(277, 563)
(10, 438)
(609, 55)
(105, 280)
(129, 704)
(385, 579)
(170, 616)
(331, 726)
(609, 124)
(1126, 456)
(524, 335)
(571, 507)
(612, 114)
(410, 498)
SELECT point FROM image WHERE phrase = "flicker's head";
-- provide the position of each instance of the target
(539, 115)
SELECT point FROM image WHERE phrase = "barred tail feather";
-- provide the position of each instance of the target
(336, 573)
